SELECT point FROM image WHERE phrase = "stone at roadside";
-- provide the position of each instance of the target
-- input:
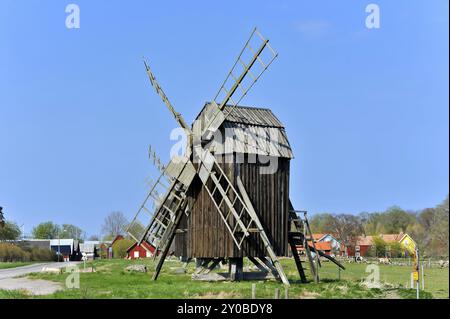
(136, 268)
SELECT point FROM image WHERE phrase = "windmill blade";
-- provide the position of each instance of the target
(165, 99)
(146, 212)
(158, 208)
(152, 155)
(254, 58)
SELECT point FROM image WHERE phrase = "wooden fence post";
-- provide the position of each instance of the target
(412, 281)
(277, 293)
(286, 293)
(253, 291)
(423, 279)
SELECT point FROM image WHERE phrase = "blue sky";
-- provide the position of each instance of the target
(366, 110)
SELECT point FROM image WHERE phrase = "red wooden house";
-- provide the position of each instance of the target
(144, 250)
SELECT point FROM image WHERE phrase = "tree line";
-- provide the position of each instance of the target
(428, 227)
(114, 224)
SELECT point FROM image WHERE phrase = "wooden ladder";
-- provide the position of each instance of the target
(299, 228)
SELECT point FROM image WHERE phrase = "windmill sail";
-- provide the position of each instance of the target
(164, 202)
(233, 205)
(254, 58)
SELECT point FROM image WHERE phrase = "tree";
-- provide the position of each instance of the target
(396, 220)
(380, 246)
(346, 227)
(46, 230)
(421, 236)
(10, 231)
(136, 228)
(440, 229)
(320, 223)
(94, 238)
(2, 217)
(72, 231)
(396, 249)
(114, 224)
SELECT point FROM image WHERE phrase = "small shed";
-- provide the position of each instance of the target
(144, 250)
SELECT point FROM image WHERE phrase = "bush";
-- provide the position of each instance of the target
(41, 254)
(12, 253)
(380, 246)
(120, 248)
(396, 250)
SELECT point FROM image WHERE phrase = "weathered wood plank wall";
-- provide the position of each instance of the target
(207, 235)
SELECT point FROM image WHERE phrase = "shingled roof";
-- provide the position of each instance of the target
(256, 131)
(252, 116)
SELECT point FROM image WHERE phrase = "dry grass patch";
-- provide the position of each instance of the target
(219, 295)
(309, 295)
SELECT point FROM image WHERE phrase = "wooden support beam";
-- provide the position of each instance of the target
(322, 254)
(258, 263)
(202, 264)
(213, 265)
(236, 268)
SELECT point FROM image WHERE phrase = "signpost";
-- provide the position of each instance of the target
(84, 258)
(415, 276)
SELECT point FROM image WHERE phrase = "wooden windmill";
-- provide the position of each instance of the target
(216, 203)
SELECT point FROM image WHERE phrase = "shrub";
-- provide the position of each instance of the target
(120, 248)
(41, 254)
(12, 253)
(396, 249)
(380, 246)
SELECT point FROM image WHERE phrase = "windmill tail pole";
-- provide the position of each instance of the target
(322, 254)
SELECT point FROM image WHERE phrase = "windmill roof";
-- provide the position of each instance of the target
(255, 130)
(249, 115)
(252, 116)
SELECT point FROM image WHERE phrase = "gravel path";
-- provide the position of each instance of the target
(32, 286)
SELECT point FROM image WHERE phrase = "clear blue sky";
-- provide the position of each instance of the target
(366, 111)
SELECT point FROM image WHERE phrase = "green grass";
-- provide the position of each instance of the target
(5, 265)
(111, 281)
(436, 279)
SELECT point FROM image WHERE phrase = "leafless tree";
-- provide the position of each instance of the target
(346, 227)
(114, 224)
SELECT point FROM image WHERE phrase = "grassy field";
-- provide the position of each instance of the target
(5, 265)
(111, 281)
